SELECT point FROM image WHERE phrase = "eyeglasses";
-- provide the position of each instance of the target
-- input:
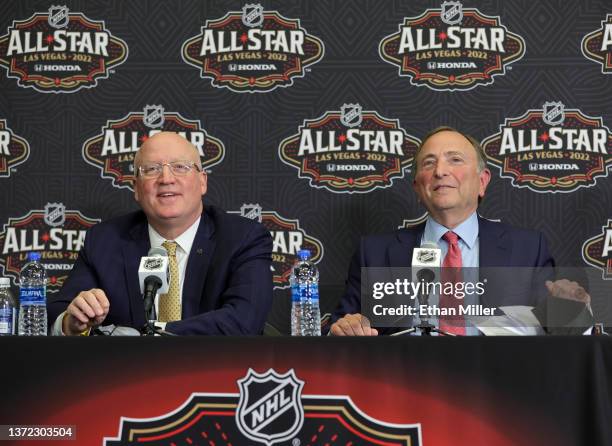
(178, 168)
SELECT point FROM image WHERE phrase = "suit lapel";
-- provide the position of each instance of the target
(400, 253)
(198, 263)
(132, 251)
(494, 247)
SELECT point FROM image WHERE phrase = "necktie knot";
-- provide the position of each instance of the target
(170, 247)
(451, 238)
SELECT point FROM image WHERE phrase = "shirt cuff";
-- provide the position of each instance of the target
(57, 328)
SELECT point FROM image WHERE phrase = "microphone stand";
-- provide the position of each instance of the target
(151, 288)
(150, 329)
(424, 325)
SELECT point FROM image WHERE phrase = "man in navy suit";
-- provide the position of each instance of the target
(450, 180)
(224, 283)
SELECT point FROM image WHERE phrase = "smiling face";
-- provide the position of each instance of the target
(448, 181)
(171, 203)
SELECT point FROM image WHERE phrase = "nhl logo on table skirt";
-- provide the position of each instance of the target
(270, 408)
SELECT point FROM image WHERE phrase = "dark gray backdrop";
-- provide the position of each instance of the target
(251, 126)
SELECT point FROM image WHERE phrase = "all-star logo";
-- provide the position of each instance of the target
(597, 251)
(113, 150)
(269, 409)
(13, 150)
(57, 233)
(287, 239)
(597, 45)
(350, 150)
(452, 48)
(552, 149)
(57, 51)
(252, 50)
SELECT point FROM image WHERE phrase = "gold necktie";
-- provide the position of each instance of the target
(170, 303)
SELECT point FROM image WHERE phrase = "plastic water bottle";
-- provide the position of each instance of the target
(305, 315)
(32, 298)
(7, 308)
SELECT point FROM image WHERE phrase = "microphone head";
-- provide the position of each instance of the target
(426, 275)
(158, 251)
(155, 265)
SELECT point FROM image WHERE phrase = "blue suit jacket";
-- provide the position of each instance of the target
(500, 246)
(228, 283)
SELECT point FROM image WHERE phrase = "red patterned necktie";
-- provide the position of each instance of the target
(451, 272)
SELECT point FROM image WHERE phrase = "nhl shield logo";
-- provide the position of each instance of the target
(153, 116)
(153, 264)
(351, 115)
(252, 211)
(553, 113)
(452, 13)
(270, 408)
(55, 214)
(58, 17)
(427, 256)
(252, 15)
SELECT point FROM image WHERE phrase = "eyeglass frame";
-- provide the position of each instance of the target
(192, 165)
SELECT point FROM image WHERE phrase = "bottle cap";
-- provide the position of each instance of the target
(34, 256)
(5, 281)
(303, 254)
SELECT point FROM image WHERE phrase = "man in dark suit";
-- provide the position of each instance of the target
(450, 180)
(220, 283)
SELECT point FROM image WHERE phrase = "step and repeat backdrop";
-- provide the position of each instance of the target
(307, 115)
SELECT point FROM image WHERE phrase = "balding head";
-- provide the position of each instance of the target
(170, 140)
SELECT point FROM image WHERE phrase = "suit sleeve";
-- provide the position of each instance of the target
(82, 277)
(247, 297)
(350, 302)
(544, 258)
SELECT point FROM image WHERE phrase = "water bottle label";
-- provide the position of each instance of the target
(6, 321)
(295, 294)
(32, 296)
(314, 291)
(303, 291)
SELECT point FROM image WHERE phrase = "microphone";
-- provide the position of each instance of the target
(154, 276)
(426, 262)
